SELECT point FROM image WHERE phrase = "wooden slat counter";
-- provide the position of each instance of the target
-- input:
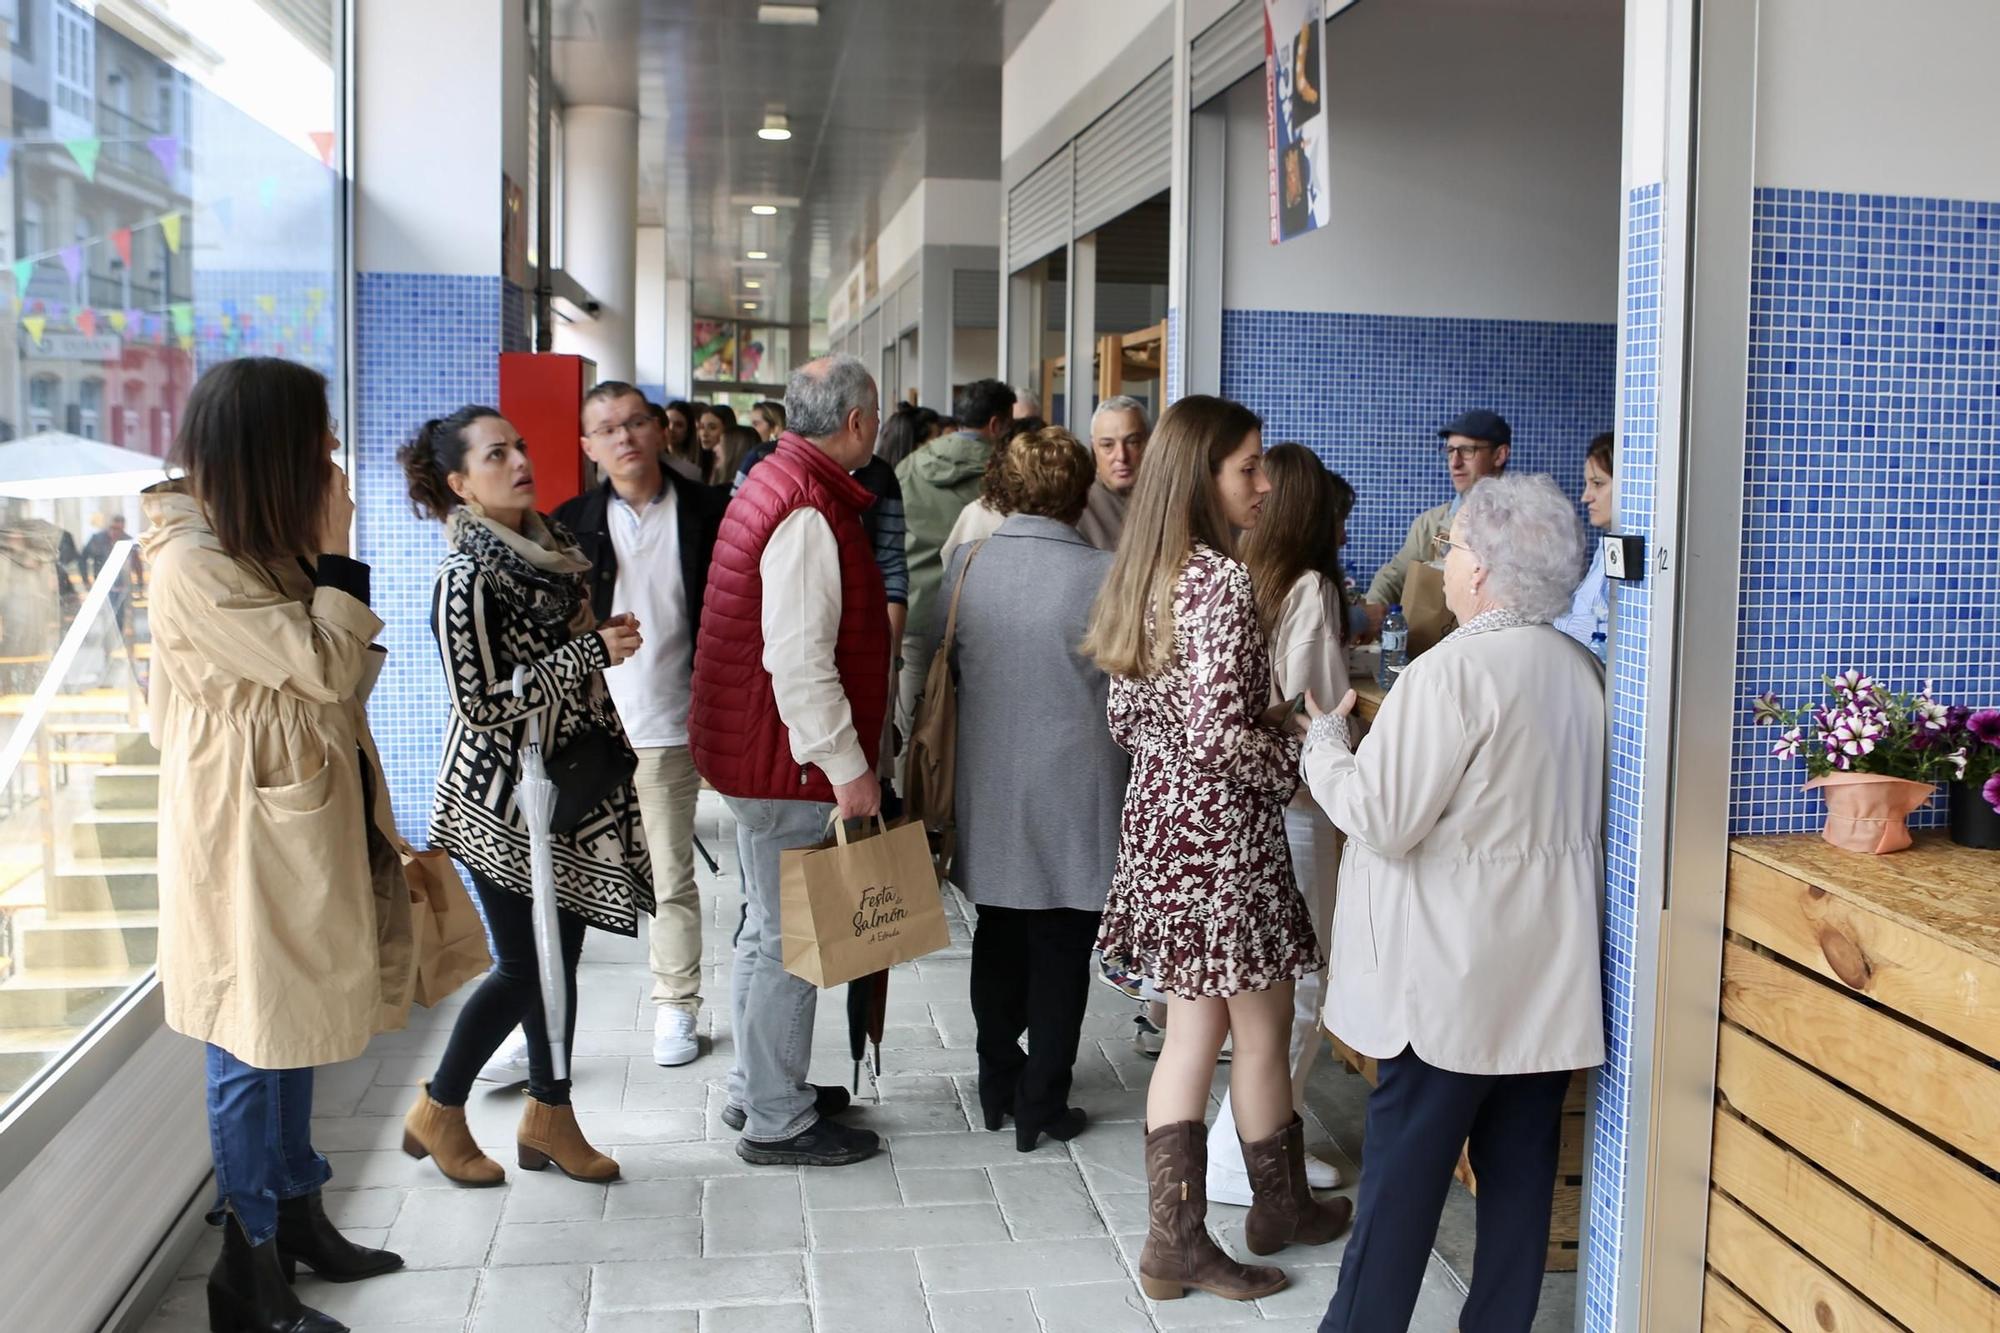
(1856, 1173)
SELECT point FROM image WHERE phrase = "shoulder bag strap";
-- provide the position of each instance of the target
(957, 590)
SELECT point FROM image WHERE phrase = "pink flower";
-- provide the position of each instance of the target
(1992, 791)
(1851, 684)
(1790, 745)
(1985, 724)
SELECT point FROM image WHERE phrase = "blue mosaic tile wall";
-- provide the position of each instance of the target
(1872, 465)
(265, 312)
(1368, 392)
(425, 344)
(516, 326)
(1637, 471)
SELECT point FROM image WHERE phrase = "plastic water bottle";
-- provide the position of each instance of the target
(1395, 647)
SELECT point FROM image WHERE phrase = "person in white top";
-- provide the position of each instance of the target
(649, 532)
(1294, 559)
(1466, 939)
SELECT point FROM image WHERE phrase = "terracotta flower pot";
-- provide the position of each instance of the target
(1866, 812)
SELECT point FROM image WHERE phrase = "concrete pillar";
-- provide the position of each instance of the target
(440, 112)
(600, 180)
(649, 308)
(679, 361)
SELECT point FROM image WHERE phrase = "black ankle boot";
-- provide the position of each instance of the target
(306, 1236)
(247, 1291)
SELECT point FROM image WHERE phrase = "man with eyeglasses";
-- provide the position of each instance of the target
(1475, 445)
(649, 533)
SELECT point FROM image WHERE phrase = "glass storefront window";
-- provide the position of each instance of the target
(170, 197)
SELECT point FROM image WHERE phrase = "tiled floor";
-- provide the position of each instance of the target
(950, 1229)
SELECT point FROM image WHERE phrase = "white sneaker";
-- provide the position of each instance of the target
(1322, 1174)
(674, 1042)
(509, 1064)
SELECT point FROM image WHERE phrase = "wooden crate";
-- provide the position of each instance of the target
(1855, 1182)
(1566, 1222)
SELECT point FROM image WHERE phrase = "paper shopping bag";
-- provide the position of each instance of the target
(849, 908)
(450, 938)
(1423, 607)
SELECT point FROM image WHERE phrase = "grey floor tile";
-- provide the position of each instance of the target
(1017, 1265)
(396, 1300)
(758, 1319)
(765, 1279)
(869, 1184)
(645, 1321)
(753, 1215)
(447, 1228)
(868, 1292)
(1046, 1202)
(653, 1198)
(627, 1240)
(1095, 1307)
(952, 1186)
(553, 1299)
(906, 1228)
(985, 1312)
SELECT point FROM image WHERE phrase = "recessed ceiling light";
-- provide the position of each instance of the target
(796, 16)
(775, 127)
(752, 285)
(764, 210)
(749, 305)
(755, 254)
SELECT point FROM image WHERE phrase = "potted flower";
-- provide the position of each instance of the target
(1975, 789)
(1874, 755)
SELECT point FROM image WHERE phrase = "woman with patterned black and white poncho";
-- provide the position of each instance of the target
(1466, 935)
(512, 594)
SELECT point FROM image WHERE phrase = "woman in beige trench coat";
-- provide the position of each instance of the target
(284, 916)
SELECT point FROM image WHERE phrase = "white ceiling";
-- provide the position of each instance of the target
(879, 94)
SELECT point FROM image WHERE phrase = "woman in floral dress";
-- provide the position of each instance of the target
(1204, 900)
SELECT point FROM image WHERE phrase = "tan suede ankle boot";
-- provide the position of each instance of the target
(1282, 1207)
(440, 1133)
(1179, 1253)
(551, 1134)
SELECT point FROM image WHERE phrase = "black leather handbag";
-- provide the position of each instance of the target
(587, 771)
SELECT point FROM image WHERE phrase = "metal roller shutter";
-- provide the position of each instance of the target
(1126, 156)
(975, 299)
(1232, 47)
(910, 301)
(1038, 210)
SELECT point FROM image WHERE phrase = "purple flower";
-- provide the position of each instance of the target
(1956, 716)
(1923, 740)
(1766, 708)
(1791, 745)
(1930, 715)
(1852, 684)
(1985, 724)
(1992, 791)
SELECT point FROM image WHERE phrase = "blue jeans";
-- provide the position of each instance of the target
(771, 1011)
(260, 1129)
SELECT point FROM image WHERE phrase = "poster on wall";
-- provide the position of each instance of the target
(1295, 107)
(714, 349)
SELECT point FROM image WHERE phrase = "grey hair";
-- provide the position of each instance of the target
(1122, 403)
(1523, 530)
(821, 393)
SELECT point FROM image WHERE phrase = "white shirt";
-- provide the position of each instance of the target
(800, 569)
(976, 522)
(651, 687)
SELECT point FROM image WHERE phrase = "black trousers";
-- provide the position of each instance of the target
(511, 995)
(1030, 973)
(1418, 1116)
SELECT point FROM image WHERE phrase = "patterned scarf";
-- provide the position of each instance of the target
(538, 572)
(1500, 617)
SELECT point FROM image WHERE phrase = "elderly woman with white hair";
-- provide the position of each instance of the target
(1466, 935)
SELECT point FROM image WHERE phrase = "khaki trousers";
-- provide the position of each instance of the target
(668, 787)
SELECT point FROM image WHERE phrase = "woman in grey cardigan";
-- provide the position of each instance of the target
(1040, 782)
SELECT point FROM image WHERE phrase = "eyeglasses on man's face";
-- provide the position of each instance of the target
(1464, 451)
(633, 425)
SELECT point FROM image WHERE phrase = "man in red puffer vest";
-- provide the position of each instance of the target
(791, 676)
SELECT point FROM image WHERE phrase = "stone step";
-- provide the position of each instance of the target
(130, 884)
(57, 996)
(115, 833)
(126, 787)
(86, 939)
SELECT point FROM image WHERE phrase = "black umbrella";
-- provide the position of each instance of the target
(867, 1006)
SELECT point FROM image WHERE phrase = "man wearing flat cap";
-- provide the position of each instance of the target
(1474, 445)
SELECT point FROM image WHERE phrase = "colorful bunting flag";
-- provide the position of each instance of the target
(315, 298)
(267, 304)
(228, 323)
(167, 150)
(86, 322)
(24, 273)
(35, 324)
(121, 241)
(171, 226)
(72, 261)
(323, 140)
(229, 308)
(119, 320)
(183, 317)
(187, 342)
(85, 152)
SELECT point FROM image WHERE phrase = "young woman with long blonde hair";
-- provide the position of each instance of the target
(1203, 900)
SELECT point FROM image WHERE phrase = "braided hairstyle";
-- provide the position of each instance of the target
(435, 452)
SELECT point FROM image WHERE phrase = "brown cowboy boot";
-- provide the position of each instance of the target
(439, 1132)
(551, 1134)
(1282, 1208)
(1179, 1252)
